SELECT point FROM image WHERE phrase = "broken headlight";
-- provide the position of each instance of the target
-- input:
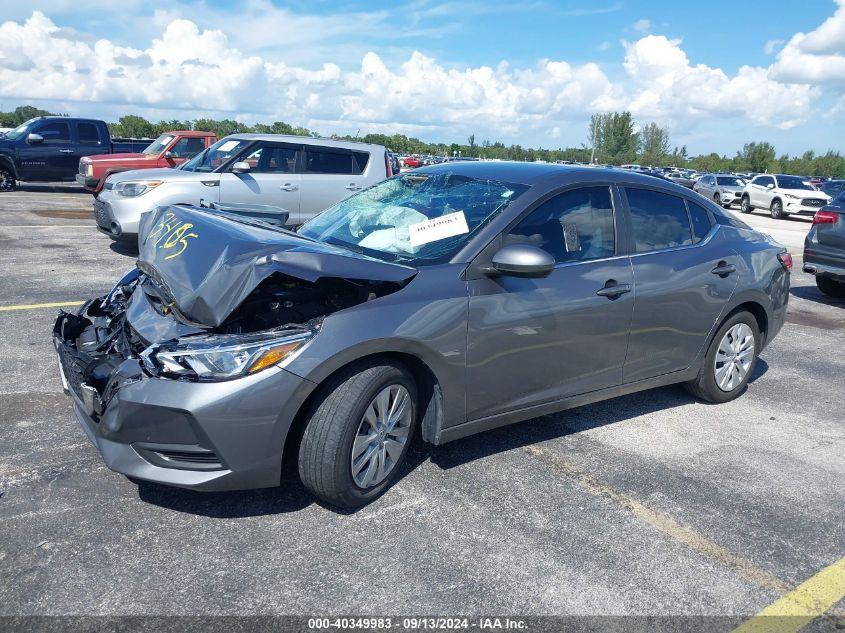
(223, 357)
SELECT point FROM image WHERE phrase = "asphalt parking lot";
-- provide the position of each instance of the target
(649, 504)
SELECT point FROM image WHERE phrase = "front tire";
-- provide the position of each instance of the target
(7, 179)
(730, 360)
(717, 199)
(776, 210)
(831, 287)
(357, 433)
(745, 205)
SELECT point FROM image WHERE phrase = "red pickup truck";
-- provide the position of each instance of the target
(168, 150)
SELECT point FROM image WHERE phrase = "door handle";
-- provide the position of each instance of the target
(288, 187)
(66, 151)
(612, 289)
(724, 269)
(353, 187)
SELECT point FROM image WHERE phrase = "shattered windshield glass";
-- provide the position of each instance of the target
(415, 218)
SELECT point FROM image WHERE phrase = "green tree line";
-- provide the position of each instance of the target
(614, 138)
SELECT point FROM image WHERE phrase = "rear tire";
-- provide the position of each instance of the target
(341, 420)
(831, 287)
(7, 179)
(776, 210)
(745, 205)
(733, 352)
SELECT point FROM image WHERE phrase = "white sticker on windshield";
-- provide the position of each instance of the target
(228, 146)
(437, 229)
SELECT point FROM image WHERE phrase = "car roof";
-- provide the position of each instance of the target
(190, 133)
(532, 173)
(306, 140)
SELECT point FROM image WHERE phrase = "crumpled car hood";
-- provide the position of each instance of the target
(207, 264)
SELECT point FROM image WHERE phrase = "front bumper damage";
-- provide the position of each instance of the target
(204, 436)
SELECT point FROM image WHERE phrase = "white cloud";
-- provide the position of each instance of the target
(642, 26)
(669, 88)
(772, 45)
(203, 71)
(817, 57)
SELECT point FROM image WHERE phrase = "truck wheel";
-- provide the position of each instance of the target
(730, 360)
(7, 179)
(357, 433)
(831, 287)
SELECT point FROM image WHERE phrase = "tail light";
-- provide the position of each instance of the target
(785, 260)
(825, 217)
(387, 168)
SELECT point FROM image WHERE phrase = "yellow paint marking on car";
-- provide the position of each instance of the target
(809, 600)
(36, 306)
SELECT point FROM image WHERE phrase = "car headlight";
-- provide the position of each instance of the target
(89, 171)
(132, 189)
(223, 357)
(791, 197)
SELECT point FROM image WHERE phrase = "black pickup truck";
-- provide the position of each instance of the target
(48, 149)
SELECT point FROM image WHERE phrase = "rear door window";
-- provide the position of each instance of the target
(574, 226)
(323, 160)
(89, 133)
(658, 220)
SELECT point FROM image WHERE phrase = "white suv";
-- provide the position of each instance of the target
(782, 195)
(293, 176)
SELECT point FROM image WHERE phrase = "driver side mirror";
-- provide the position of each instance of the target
(240, 167)
(522, 260)
(770, 186)
(168, 154)
(34, 139)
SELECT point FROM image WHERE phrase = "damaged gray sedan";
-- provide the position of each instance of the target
(441, 303)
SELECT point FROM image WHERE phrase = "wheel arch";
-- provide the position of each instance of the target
(757, 310)
(430, 397)
(6, 161)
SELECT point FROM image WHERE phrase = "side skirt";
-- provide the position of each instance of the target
(520, 415)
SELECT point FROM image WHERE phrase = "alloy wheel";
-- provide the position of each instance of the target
(777, 210)
(381, 436)
(7, 180)
(745, 205)
(734, 357)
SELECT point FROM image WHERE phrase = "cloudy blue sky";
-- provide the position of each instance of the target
(717, 74)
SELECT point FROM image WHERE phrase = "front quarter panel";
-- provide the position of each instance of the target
(427, 319)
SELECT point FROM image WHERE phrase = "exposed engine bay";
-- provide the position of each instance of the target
(108, 342)
(282, 300)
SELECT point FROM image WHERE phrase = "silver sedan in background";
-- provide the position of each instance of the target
(723, 189)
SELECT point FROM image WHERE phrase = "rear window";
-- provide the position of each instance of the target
(359, 162)
(700, 219)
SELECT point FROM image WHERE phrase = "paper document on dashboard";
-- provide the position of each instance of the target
(438, 228)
